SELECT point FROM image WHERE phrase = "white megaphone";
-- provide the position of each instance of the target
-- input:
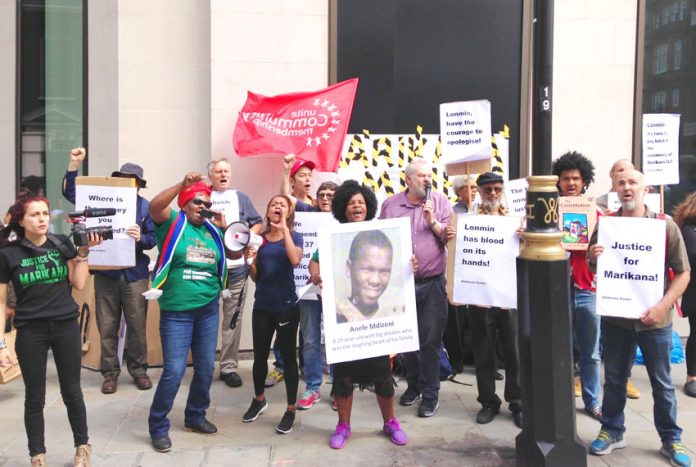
(238, 237)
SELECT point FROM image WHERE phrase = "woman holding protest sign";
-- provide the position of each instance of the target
(357, 203)
(190, 273)
(43, 268)
(275, 305)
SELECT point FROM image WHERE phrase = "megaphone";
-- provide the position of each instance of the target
(238, 237)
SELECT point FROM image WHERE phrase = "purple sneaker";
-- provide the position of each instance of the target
(339, 438)
(397, 435)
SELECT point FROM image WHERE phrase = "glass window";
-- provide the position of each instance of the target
(675, 97)
(51, 94)
(667, 85)
(661, 58)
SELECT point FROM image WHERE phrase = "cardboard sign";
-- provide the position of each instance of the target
(630, 271)
(110, 192)
(13, 371)
(464, 130)
(577, 216)
(369, 300)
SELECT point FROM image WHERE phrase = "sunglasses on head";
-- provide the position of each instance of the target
(198, 202)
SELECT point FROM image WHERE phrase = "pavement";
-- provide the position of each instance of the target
(118, 428)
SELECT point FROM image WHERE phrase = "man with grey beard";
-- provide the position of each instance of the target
(652, 332)
(490, 324)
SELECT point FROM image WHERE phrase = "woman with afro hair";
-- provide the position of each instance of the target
(356, 203)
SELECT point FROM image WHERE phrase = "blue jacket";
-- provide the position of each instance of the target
(147, 234)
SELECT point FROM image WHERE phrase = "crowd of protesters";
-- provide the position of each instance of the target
(195, 272)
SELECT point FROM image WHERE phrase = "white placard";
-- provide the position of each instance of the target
(516, 196)
(485, 266)
(651, 200)
(661, 149)
(227, 202)
(382, 280)
(119, 252)
(630, 271)
(464, 130)
(307, 224)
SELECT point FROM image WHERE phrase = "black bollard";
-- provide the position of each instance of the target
(549, 437)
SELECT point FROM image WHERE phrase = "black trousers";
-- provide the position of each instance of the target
(33, 341)
(486, 326)
(691, 347)
(264, 324)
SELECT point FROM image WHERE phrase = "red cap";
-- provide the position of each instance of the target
(299, 163)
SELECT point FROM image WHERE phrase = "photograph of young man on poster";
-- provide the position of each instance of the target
(368, 271)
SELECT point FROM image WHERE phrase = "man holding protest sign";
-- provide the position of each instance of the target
(120, 291)
(652, 331)
(575, 173)
(490, 324)
(430, 230)
(237, 207)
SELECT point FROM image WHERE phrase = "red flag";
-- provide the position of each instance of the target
(312, 125)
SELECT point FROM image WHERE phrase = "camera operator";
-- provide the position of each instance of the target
(120, 291)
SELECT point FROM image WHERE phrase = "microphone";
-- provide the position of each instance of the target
(428, 188)
(94, 212)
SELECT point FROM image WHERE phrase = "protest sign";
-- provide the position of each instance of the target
(369, 300)
(651, 200)
(483, 269)
(307, 224)
(110, 192)
(516, 196)
(577, 216)
(661, 149)
(227, 202)
(630, 271)
(464, 130)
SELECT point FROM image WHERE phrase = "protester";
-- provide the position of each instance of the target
(357, 203)
(617, 168)
(119, 292)
(491, 325)
(237, 207)
(275, 306)
(43, 268)
(575, 173)
(429, 213)
(685, 218)
(310, 322)
(191, 271)
(652, 333)
(297, 182)
(465, 188)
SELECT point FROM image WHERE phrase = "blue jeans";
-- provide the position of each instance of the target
(586, 325)
(310, 326)
(180, 331)
(619, 353)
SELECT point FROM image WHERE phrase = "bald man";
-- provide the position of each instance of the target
(652, 332)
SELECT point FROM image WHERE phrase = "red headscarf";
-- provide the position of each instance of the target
(190, 192)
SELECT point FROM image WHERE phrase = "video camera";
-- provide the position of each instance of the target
(80, 232)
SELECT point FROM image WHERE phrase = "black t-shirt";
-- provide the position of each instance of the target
(40, 278)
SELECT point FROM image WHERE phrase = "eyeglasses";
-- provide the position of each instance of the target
(490, 189)
(328, 195)
(198, 202)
